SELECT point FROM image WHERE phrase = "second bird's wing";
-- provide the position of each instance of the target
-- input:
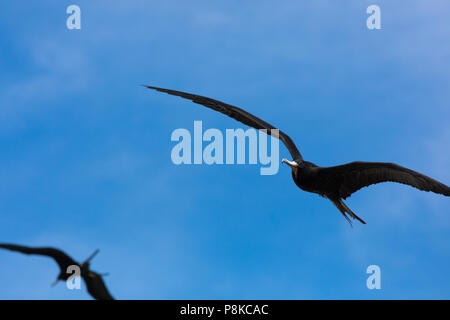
(353, 176)
(96, 286)
(237, 114)
(61, 258)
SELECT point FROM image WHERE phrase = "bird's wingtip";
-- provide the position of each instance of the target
(149, 87)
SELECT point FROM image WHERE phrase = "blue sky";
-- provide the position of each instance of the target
(85, 152)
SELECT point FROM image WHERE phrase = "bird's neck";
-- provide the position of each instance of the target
(295, 173)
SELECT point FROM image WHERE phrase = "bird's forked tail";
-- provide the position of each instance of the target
(88, 260)
(342, 207)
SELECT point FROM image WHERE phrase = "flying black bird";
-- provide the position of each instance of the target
(334, 183)
(94, 282)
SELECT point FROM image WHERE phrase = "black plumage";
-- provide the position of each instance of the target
(94, 282)
(335, 183)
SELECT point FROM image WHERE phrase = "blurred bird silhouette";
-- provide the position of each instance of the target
(334, 183)
(94, 282)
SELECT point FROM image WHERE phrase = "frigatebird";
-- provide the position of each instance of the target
(334, 183)
(94, 282)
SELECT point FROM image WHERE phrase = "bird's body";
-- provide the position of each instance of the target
(334, 183)
(340, 182)
(94, 282)
(305, 177)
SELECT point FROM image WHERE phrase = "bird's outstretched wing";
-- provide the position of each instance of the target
(237, 114)
(61, 258)
(96, 286)
(355, 175)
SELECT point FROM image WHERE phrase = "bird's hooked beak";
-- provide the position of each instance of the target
(291, 164)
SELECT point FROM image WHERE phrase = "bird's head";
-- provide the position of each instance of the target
(293, 164)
